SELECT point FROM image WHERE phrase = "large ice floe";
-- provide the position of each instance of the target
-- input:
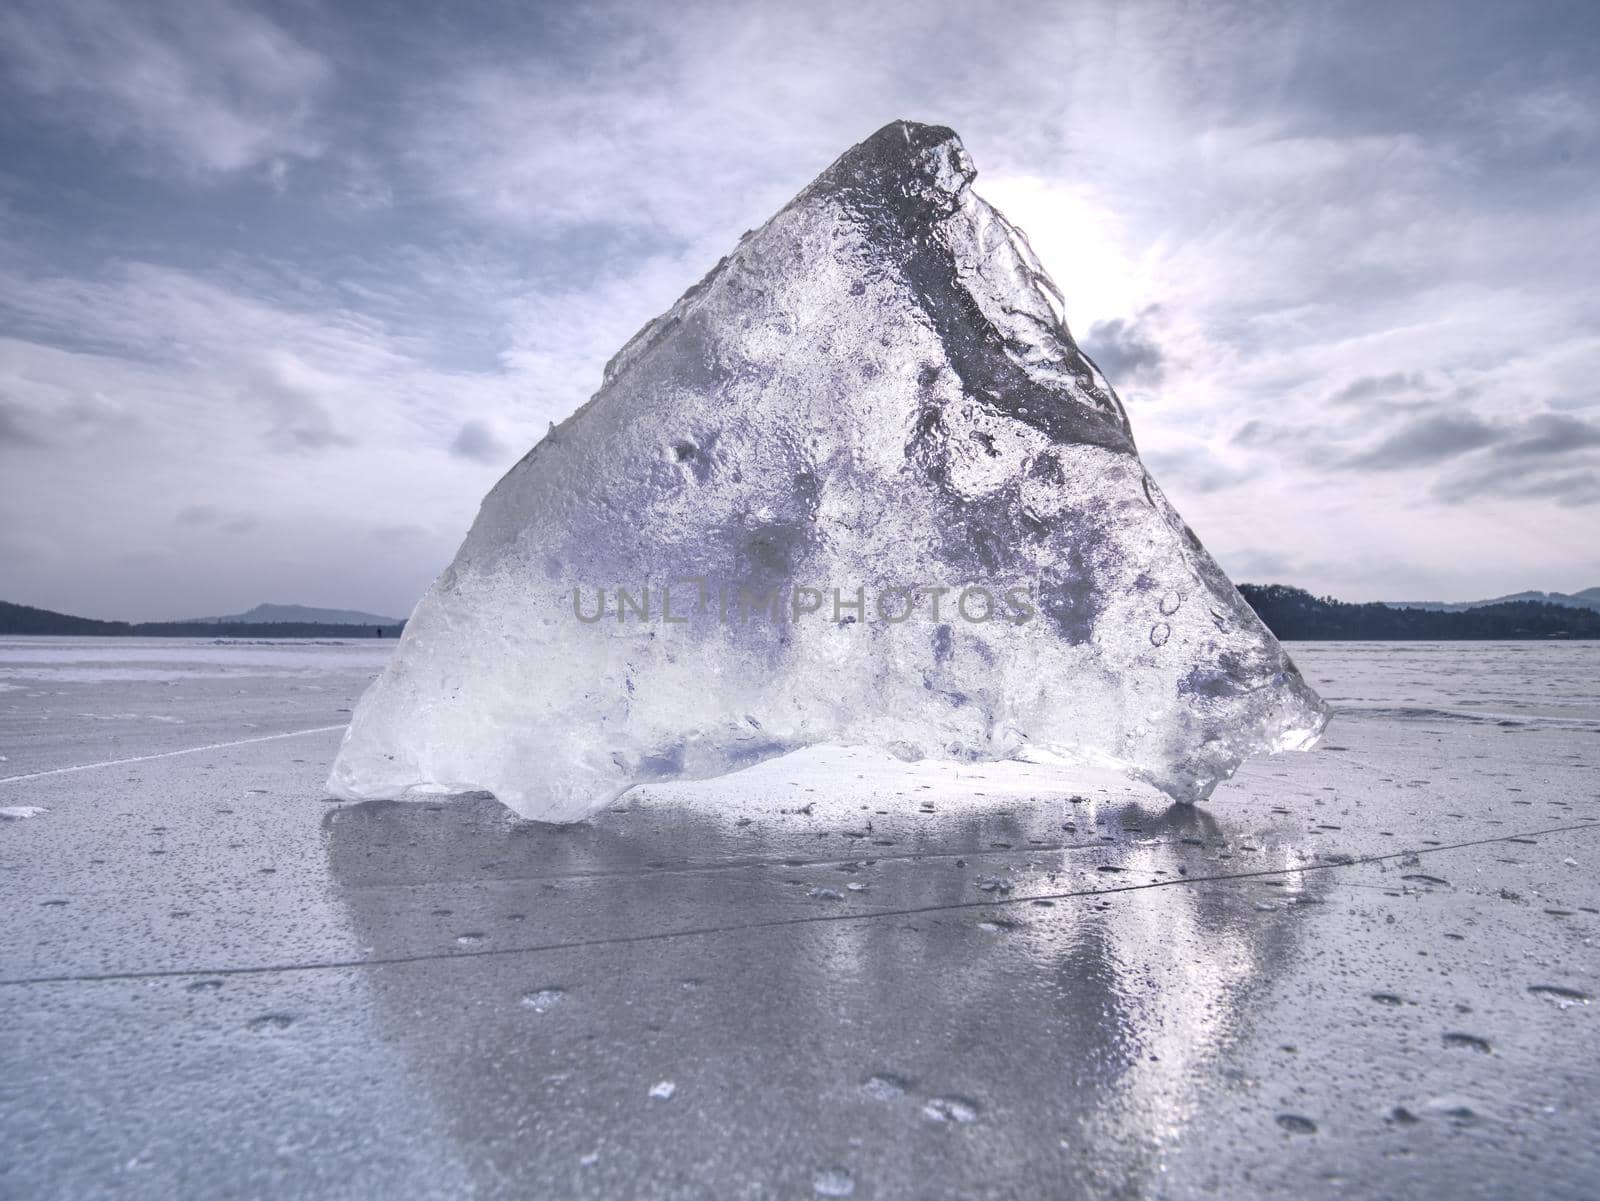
(858, 486)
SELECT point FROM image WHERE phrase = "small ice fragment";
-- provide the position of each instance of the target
(833, 1182)
(994, 884)
(15, 813)
(662, 1090)
(1460, 1109)
(950, 1109)
(825, 894)
(270, 1021)
(1560, 994)
(884, 1087)
(543, 1000)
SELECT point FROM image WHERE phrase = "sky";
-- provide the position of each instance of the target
(285, 288)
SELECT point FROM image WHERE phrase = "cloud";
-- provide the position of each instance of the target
(1371, 388)
(1442, 435)
(1195, 468)
(1263, 567)
(623, 152)
(1329, 252)
(478, 442)
(1538, 456)
(1256, 432)
(208, 517)
(1125, 349)
(1575, 490)
(16, 427)
(1550, 434)
(298, 396)
(1569, 488)
(1548, 456)
(1427, 441)
(39, 411)
(396, 534)
(322, 418)
(215, 86)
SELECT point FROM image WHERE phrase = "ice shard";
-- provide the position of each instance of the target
(858, 486)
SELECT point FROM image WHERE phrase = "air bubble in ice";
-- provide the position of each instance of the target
(885, 1087)
(950, 1109)
(543, 1000)
(833, 1182)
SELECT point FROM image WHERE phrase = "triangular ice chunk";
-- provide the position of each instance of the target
(874, 391)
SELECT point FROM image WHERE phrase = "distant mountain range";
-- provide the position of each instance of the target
(1293, 613)
(24, 619)
(1290, 613)
(1589, 598)
(302, 614)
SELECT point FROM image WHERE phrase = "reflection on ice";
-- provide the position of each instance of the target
(680, 941)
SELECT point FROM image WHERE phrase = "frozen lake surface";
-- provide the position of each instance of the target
(1367, 971)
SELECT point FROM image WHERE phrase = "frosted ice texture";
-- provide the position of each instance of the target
(876, 390)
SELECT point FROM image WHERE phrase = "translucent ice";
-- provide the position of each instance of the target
(857, 486)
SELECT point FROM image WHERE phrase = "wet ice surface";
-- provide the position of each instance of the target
(1365, 971)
